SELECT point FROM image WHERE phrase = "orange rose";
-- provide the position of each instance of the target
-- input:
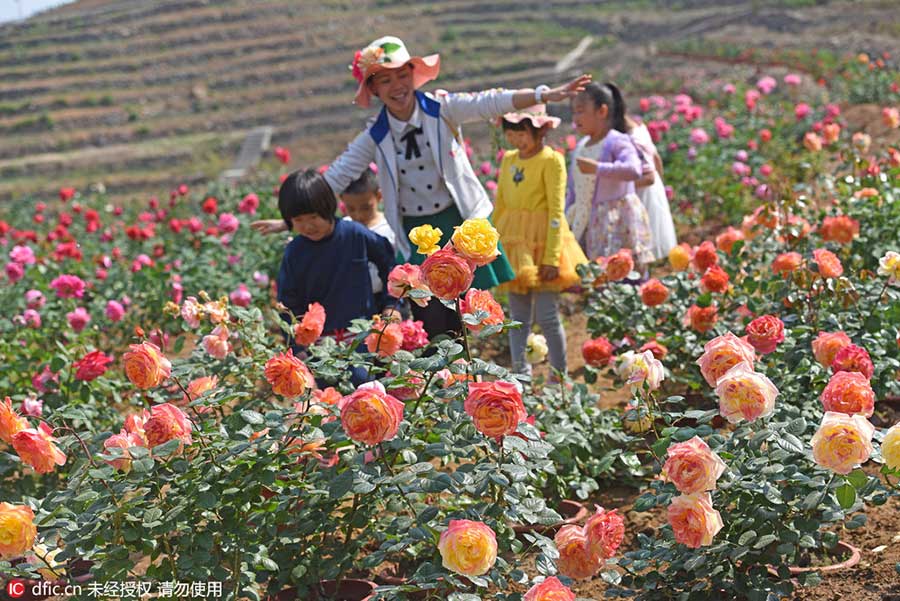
(597, 352)
(10, 421)
(827, 344)
(37, 448)
(385, 340)
(370, 415)
(714, 280)
(840, 229)
(495, 407)
(842, 442)
(287, 375)
(481, 300)
(167, 422)
(812, 142)
(146, 366)
(123, 441)
(575, 558)
(828, 263)
(468, 547)
(17, 530)
(849, 392)
(705, 256)
(447, 274)
(551, 589)
(694, 521)
(692, 466)
(702, 319)
(725, 241)
(605, 531)
(328, 396)
(653, 293)
(619, 265)
(721, 354)
(831, 132)
(310, 327)
(786, 263)
(658, 350)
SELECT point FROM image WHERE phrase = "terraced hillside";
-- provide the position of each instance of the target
(144, 94)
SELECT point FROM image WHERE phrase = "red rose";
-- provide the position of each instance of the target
(597, 352)
(91, 366)
(210, 205)
(765, 333)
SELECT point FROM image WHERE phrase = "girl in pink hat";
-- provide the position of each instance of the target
(416, 142)
(528, 213)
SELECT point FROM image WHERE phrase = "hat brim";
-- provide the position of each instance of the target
(425, 69)
(538, 121)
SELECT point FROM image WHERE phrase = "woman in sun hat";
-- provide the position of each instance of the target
(416, 142)
(529, 214)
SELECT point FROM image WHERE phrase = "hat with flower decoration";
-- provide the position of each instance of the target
(390, 53)
(537, 114)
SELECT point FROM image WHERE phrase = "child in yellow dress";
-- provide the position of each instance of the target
(529, 214)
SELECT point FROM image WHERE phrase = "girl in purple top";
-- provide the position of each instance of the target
(601, 204)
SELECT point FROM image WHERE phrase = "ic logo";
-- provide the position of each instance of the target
(15, 588)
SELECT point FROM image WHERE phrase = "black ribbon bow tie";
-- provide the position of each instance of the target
(412, 146)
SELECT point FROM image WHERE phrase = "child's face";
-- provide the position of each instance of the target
(395, 89)
(589, 120)
(312, 226)
(362, 207)
(525, 141)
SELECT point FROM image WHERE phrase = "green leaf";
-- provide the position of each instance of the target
(139, 466)
(57, 363)
(765, 541)
(341, 485)
(390, 47)
(858, 478)
(846, 495)
(252, 417)
(747, 538)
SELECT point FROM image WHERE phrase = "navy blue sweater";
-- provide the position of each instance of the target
(334, 272)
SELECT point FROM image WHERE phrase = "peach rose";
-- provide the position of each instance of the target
(124, 440)
(447, 274)
(482, 300)
(468, 548)
(692, 466)
(310, 327)
(10, 421)
(725, 241)
(146, 366)
(199, 386)
(287, 374)
(765, 333)
(167, 422)
(551, 589)
(745, 394)
(702, 319)
(842, 442)
(37, 448)
(680, 257)
(853, 358)
(476, 240)
(786, 263)
(597, 352)
(495, 407)
(605, 531)
(385, 339)
(721, 354)
(191, 311)
(831, 132)
(714, 280)
(827, 344)
(217, 311)
(693, 520)
(828, 263)
(134, 424)
(617, 266)
(812, 141)
(370, 415)
(840, 229)
(890, 447)
(658, 350)
(705, 256)
(405, 278)
(17, 530)
(849, 392)
(327, 396)
(654, 293)
(216, 343)
(575, 558)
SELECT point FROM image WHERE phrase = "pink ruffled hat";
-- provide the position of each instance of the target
(537, 114)
(390, 53)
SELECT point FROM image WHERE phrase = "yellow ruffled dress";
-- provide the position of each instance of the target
(529, 214)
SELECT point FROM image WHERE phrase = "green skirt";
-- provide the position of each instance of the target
(493, 274)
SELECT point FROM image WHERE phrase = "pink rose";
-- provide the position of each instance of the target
(853, 358)
(827, 344)
(114, 311)
(78, 319)
(605, 531)
(693, 520)
(68, 286)
(692, 466)
(407, 277)
(240, 296)
(576, 561)
(765, 333)
(447, 274)
(216, 343)
(721, 354)
(124, 441)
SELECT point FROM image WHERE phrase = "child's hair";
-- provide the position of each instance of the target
(367, 183)
(303, 193)
(608, 94)
(523, 125)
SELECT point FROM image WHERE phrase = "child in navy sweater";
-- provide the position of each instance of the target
(328, 261)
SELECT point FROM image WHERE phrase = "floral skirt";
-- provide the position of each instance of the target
(618, 224)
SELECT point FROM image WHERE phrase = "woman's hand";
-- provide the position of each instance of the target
(548, 273)
(587, 166)
(269, 226)
(568, 90)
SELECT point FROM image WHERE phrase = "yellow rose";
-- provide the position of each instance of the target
(890, 447)
(680, 257)
(468, 548)
(476, 240)
(426, 238)
(17, 530)
(842, 442)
